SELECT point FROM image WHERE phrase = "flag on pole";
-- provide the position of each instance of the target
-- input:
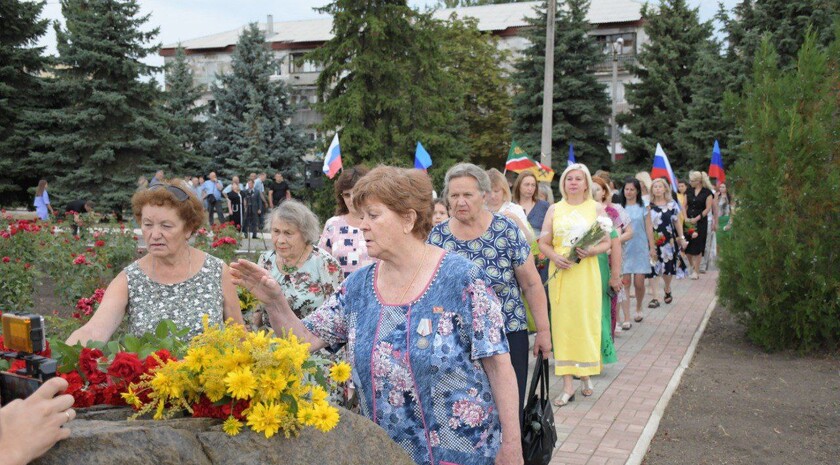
(662, 168)
(716, 166)
(332, 160)
(518, 161)
(571, 160)
(422, 159)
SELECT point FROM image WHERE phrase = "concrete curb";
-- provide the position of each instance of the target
(642, 445)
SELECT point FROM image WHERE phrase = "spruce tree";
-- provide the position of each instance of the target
(661, 97)
(250, 131)
(474, 63)
(185, 115)
(108, 128)
(20, 90)
(779, 268)
(706, 118)
(581, 105)
(385, 88)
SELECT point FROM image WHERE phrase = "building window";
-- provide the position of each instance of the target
(298, 65)
(605, 42)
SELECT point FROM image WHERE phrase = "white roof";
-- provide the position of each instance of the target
(496, 17)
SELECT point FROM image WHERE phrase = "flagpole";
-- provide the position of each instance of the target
(548, 85)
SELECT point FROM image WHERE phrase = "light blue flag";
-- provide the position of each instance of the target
(422, 159)
(571, 160)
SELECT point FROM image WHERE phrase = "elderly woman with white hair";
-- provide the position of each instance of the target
(307, 274)
(499, 247)
(574, 287)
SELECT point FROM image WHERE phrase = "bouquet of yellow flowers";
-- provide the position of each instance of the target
(270, 383)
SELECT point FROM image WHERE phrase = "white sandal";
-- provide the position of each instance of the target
(564, 399)
(587, 386)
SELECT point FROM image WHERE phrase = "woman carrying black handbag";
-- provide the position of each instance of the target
(539, 435)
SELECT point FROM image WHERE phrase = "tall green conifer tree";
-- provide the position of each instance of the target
(250, 131)
(385, 86)
(581, 105)
(20, 93)
(661, 97)
(182, 106)
(108, 127)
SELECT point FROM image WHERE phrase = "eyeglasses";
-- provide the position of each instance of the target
(179, 193)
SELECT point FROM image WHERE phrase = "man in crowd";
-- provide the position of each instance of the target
(212, 192)
(76, 208)
(278, 191)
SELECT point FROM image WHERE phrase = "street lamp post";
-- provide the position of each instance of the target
(548, 86)
(616, 46)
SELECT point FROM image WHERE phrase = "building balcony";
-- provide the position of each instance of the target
(605, 66)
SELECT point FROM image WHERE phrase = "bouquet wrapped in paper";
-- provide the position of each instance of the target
(594, 234)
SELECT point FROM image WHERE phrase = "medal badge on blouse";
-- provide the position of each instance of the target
(424, 329)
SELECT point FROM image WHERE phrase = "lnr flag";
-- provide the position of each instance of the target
(332, 161)
(422, 159)
(716, 166)
(518, 161)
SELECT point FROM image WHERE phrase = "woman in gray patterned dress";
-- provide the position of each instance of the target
(174, 281)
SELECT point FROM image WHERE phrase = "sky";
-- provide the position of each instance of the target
(180, 20)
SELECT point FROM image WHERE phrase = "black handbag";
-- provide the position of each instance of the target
(539, 435)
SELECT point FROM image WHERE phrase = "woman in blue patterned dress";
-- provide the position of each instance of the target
(497, 246)
(638, 251)
(424, 333)
(667, 231)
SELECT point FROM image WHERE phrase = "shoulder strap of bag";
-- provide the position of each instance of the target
(538, 379)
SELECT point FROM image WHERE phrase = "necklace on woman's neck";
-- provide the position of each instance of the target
(416, 272)
(189, 267)
(293, 266)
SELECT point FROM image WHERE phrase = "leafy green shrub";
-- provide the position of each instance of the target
(780, 272)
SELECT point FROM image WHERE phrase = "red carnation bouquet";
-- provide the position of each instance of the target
(101, 372)
(691, 229)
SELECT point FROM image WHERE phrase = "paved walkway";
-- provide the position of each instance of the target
(619, 420)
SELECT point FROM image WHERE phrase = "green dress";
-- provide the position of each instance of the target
(607, 347)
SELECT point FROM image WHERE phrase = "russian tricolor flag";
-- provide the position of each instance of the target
(662, 168)
(422, 159)
(716, 167)
(332, 161)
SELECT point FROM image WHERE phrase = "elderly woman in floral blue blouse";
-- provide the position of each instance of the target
(306, 273)
(424, 333)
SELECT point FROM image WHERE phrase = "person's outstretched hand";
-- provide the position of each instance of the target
(30, 427)
(256, 279)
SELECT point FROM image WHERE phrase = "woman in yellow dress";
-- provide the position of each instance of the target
(574, 288)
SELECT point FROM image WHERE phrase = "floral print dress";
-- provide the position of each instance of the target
(417, 366)
(307, 287)
(663, 220)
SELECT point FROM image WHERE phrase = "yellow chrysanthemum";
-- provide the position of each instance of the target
(340, 372)
(319, 394)
(326, 417)
(241, 383)
(234, 359)
(197, 358)
(306, 413)
(265, 418)
(272, 384)
(232, 426)
(167, 381)
(258, 341)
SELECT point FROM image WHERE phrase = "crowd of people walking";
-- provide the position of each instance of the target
(432, 299)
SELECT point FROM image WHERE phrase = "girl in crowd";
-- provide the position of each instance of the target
(440, 212)
(725, 210)
(574, 288)
(42, 201)
(342, 237)
(499, 201)
(699, 200)
(668, 231)
(638, 251)
(644, 180)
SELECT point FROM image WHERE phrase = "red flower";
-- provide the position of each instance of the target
(150, 363)
(99, 243)
(89, 364)
(6, 259)
(80, 260)
(83, 399)
(126, 366)
(74, 381)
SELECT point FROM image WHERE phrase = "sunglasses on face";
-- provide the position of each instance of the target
(179, 193)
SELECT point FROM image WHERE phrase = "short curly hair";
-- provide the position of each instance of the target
(401, 190)
(190, 210)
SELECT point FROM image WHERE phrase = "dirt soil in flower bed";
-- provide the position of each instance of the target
(739, 405)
